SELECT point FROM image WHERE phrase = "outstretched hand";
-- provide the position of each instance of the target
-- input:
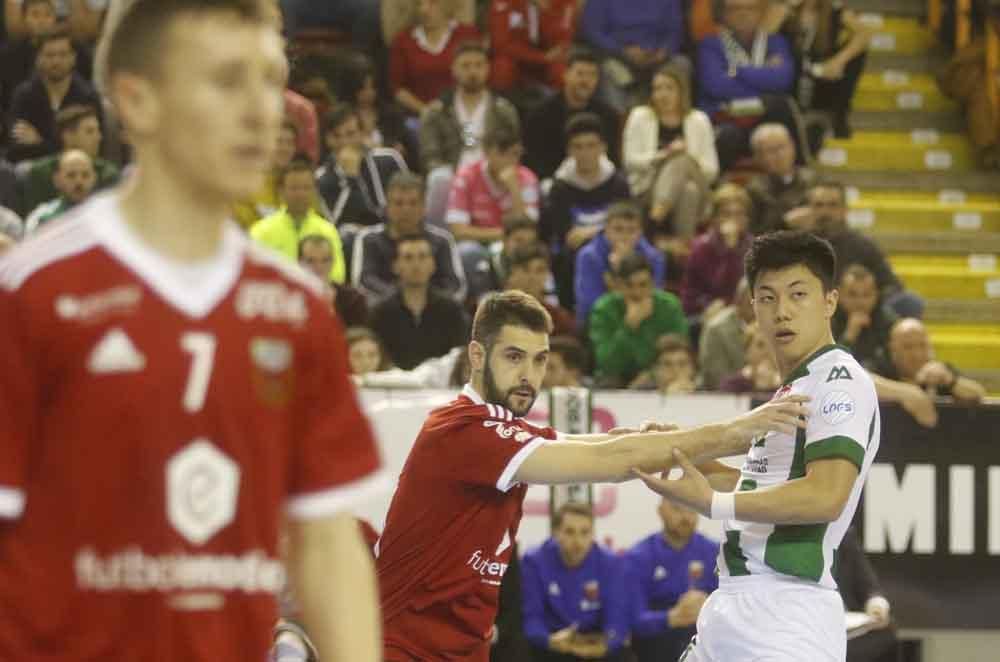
(785, 414)
(691, 489)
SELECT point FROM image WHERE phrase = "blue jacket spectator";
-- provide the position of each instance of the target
(726, 71)
(663, 568)
(574, 592)
(622, 235)
(611, 25)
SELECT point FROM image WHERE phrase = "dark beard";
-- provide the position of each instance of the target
(494, 396)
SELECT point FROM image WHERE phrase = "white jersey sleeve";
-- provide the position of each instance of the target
(843, 413)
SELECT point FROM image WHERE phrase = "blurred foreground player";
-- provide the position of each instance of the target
(165, 386)
(785, 513)
(448, 534)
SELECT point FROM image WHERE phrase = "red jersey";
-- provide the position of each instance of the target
(155, 420)
(447, 537)
(521, 30)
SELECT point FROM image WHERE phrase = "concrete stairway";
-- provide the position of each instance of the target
(913, 184)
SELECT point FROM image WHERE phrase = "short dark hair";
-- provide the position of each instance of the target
(58, 33)
(581, 123)
(138, 41)
(69, 118)
(582, 54)
(470, 46)
(632, 263)
(411, 238)
(501, 135)
(523, 255)
(294, 166)
(624, 209)
(512, 224)
(787, 248)
(572, 352)
(405, 180)
(338, 114)
(669, 343)
(509, 308)
(572, 508)
(313, 239)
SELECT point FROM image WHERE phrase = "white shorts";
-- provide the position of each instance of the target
(768, 619)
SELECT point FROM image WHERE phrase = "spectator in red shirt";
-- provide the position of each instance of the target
(420, 58)
(716, 264)
(486, 191)
(531, 39)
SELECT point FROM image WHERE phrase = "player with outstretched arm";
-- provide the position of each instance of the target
(447, 538)
(797, 491)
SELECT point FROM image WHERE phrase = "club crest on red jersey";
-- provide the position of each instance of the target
(273, 377)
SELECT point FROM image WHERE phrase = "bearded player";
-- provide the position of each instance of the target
(785, 513)
(456, 510)
(170, 394)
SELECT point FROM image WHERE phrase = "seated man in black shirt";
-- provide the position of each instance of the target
(36, 101)
(861, 323)
(911, 361)
(417, 323)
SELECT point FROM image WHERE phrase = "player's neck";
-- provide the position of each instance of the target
(676, 542)
(171, 219)
(787, 367)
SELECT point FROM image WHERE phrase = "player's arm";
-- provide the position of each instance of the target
(614, 460)
(818, 497)
(721, 477)
(334, 580)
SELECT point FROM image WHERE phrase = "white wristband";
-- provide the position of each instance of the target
(723, 505)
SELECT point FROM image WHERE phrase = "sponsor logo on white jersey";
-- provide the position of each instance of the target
(114, 354)
(95, 307)
(837, 407)
(271, 300)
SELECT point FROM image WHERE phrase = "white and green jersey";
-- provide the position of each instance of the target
(843, 423)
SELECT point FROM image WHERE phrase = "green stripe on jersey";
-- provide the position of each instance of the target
(798, 468)
(797, 550)
(736, 561)
(836, 447)
(747, 485)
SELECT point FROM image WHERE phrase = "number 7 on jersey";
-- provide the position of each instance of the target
(201, 347)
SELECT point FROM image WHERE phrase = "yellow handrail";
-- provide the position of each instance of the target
(934, 15)
(963, 23)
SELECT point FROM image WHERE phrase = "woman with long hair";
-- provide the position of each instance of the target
(669, 155)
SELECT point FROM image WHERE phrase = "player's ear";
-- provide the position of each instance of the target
(137, 103)
(832, 297)
(477, 356)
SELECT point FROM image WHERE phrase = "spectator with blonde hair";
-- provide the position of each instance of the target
(421, 56)
(669, 153)
(715, 266)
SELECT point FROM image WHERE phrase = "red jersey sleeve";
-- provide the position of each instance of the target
(488, 450)
(336, 462)
(19, 402)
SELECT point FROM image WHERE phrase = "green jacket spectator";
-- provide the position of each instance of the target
(39, 186)
(625, 324)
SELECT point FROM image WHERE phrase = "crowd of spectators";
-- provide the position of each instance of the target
(613, 159)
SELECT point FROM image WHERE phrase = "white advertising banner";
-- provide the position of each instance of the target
(625, 512)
